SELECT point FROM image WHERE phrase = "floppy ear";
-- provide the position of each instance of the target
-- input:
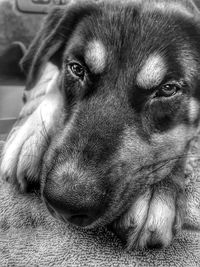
(52, 38)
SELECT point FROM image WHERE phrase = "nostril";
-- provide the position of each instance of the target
(80, 220)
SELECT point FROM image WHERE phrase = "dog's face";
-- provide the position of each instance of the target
(129, 84)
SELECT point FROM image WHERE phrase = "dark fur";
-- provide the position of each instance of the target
(110, 142)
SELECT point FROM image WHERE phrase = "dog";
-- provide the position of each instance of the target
(111, 103)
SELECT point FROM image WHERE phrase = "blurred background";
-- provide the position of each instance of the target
(19, 23)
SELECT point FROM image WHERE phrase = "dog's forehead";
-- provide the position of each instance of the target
(134, 38)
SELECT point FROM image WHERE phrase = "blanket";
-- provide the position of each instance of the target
(30, 236)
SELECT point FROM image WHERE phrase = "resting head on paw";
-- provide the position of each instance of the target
(128, 79)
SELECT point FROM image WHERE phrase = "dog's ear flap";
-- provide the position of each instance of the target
(49, 43)
(42, 49)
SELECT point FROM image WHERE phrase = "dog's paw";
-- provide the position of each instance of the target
(158, 222)
(23, 152)
(152, 221)
(19, 154)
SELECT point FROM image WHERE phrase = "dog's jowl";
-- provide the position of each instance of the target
(107, 138)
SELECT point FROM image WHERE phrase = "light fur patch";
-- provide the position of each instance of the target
(193, 110)
(159, 223)
(69, 168)
(96, 56)
(136, 216)
(35, 96)
(152, 72)
(150, 219)
(138, 211)
(178, 135)
(23, 152)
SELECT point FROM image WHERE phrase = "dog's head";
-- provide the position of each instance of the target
(129, 79)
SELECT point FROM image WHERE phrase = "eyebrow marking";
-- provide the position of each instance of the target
(95, 56)
(152, 72)
(193, 110)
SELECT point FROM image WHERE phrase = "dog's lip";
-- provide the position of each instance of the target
(53, 212)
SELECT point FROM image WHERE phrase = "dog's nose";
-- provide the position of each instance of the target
(70, 209)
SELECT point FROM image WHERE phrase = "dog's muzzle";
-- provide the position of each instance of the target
(64, 204)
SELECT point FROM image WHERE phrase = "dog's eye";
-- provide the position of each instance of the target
(77, 70)
(168, 90)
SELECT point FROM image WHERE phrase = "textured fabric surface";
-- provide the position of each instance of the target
(29, 236)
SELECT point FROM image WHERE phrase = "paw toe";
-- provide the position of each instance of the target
(152, 220)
